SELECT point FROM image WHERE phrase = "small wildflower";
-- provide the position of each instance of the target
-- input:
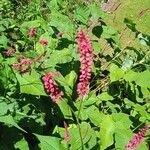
(43, 42)
(137, 139)
(86, 59)
(10, 52)
(26, 61)
(16, 66)
(66, 136)
(32, 32)
(51, 87)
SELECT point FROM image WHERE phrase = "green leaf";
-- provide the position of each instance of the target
(139, 78)
(62, 81)
(3, 108)
(122, 137)
(87, 135)
(22, 145)
(94, 115)
(121, 120)
(96, 13)
(59, 57)
(9, 120)
(115, 73)
(62, 23)
(65, 108)
(82, 13)
(105, 97)
(3, 41)
(96, 47)
(108, 32)
(31, 83)
(49, 142)
(71, 78)
(107, 128)
(29, 24)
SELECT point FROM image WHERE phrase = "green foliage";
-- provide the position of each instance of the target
(118, 102)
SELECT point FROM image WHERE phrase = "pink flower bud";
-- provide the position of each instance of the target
(43, 42)
(10, 52)
(66, 136)
(32, 32)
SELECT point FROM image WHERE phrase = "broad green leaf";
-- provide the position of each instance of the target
(91, 99)
(62, 22)
(122, 137)
(96, 47)
(62, 81)
(105, 97)
(31, 83)
(3, 41)
(140, 78)
(128, 62)
(115, 73)
(107, 128)
(65, 108)
(82, 13)
(108, 32)
(22, 145)
(9, 120)
(3, 108)
(59, 57)
(96, 13)
(94, 115)
(121, 121)
(71, 78)
(49, 142)
(87, 135)
(29, 24)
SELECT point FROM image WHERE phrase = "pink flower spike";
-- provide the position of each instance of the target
(86, 59)
(26, 61)
(66, 136)
(137, 139)
(16, 66)
(43, 42)
(32, 32)
(10, 52)
(51, 87)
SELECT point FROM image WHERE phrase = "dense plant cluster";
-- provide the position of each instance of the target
(72, 79)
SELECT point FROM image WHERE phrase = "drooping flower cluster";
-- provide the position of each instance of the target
(51, 87)
(10, 52)
(86, 59)
(137, 139)
(32, 32)
(23, 66)
(44, 42)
